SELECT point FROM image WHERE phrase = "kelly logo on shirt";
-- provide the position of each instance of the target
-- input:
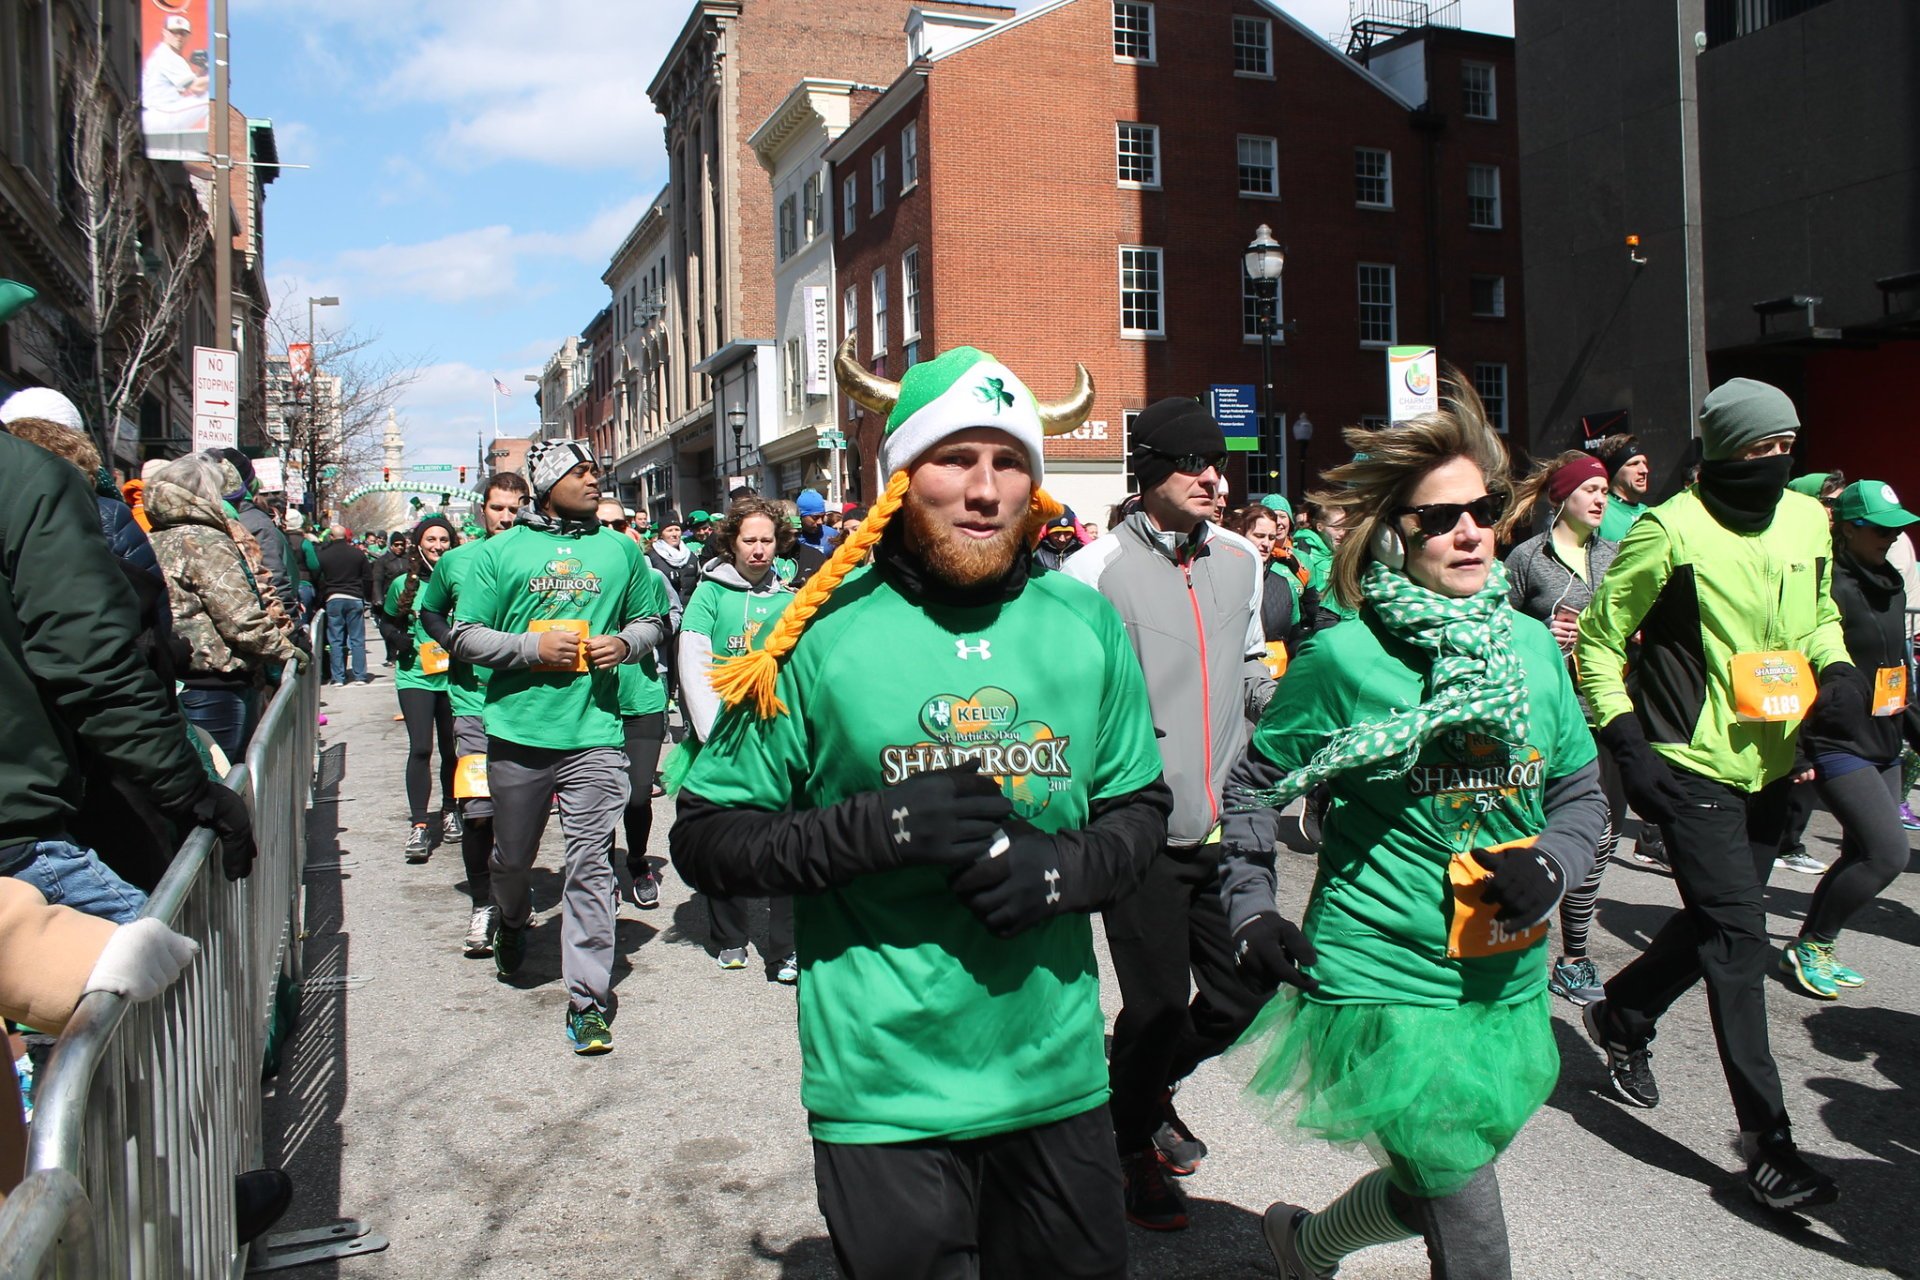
(1025, 755)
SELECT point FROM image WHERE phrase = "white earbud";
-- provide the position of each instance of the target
(1388, 547)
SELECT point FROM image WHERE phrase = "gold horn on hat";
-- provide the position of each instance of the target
(1067, 415)
(865, 389)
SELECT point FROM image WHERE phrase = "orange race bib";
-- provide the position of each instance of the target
(1275, 659)
(1773, 686)
(1889, 691)
(470, 778)
(576, 625)
(434, 660)
(1473, 931)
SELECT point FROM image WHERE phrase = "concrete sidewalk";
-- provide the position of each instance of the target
(444, 1108)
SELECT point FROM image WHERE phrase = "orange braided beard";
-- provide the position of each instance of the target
(968, 562)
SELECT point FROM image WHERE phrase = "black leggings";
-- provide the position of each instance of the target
(1465, 1231)
(429, 715)
(1873, 846)
(1577, 907)
(644, 736)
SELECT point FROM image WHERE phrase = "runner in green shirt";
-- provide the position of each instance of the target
(949, 763)
(1629, 476)
(1413, 1013)
(420, 680)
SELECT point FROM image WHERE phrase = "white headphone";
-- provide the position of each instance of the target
(1387, 546)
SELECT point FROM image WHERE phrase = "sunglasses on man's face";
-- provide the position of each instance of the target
(1438, 519)
(1193, 464)
(620, 526)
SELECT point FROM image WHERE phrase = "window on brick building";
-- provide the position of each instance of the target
(813, 211)
(909, 157)
(1373, 178)
(1477, 97)
(1250, 310)
(849, 326)
(1490, 384)
(910, 294)
(849, 203)
(1132, 31)
(789, 227)
(1137, 152)
(1490, 296)
(1127, 418)
(1259, 166)
(877, 179)
(1377, 326)
(1140, 293)
(879, 310)
(1483, 196)
(1252, 46)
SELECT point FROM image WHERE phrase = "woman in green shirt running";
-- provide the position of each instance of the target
(420, 678)
(1414, 1017)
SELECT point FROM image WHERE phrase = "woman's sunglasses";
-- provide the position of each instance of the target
(1437, 519)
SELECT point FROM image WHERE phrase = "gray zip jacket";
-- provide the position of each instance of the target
(1192, 609)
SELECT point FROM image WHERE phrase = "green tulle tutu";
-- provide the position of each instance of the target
(678, 764)
(1435, 1093)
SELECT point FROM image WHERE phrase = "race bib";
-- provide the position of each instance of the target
(576, 625)
(470, 778)
(1473, 931)
(1773, 686)
(1889, 691)
(1275, 659)
(434, 660)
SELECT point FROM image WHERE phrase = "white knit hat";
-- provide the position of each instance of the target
(44, 403)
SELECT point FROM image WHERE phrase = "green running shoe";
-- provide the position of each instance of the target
(1843, 976)
(588, 1032)
(1809, 965)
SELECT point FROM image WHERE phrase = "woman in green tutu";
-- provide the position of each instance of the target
(1412, 1013)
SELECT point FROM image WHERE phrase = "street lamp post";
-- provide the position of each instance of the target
(737, 419)
(1264, 260)
(312, 417)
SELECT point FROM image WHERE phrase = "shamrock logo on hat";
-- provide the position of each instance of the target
(993, 392)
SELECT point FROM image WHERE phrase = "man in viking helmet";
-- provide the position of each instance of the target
(947, 801)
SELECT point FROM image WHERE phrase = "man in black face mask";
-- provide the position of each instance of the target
(1728, 585)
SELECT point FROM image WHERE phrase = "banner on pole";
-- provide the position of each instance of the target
(1413, 382)
(299, 362)
(176, 78)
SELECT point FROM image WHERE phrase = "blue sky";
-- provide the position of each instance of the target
(474, 163)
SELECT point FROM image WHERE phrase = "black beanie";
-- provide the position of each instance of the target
(1621, 455)
(1169, 429)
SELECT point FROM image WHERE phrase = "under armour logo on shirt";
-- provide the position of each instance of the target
(1053, 886)
(900, 833)
(983, 650)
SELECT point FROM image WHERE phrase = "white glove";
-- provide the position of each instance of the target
(141, 960)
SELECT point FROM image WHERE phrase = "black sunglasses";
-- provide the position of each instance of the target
(1437, 519)
(620, 525)
(1194, 464)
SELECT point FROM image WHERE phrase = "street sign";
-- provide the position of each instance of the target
(1413, 382)
(215, 433)
(1237, 411)
(431, 466)
(216, 399)
(833, 440)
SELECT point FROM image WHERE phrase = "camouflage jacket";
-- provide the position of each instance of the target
(217, 608)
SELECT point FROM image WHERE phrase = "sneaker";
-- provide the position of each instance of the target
(1908, 818)
(1313, 810)
(1803, 862)
(789, 971)
(732, 958)
(1778, 1178)
(1575, 979)
(452, 825)
(1650, 849)
(1280, 1224)
(1152, 1200)
(1808, 965)
(419, 848)
(509, 948)
(644, 892)
(588, 1032)
(1843, 976)
(1630, 1070)
(480, 930)
(1179, 1150)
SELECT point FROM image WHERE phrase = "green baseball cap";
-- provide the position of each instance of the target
(698, 517)
(1873, 502)
(1810, 483)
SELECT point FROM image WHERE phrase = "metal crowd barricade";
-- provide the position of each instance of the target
(147, 1111)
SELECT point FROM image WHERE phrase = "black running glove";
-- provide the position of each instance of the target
(945, 818)
(1526, 885)
(1842, 709)
(1270, 950)
(1018, 888)
(218, 806)
(1649, 783)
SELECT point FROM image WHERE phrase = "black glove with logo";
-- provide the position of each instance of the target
(1270, 950)
(1018, 888)
(945, 818)
(1526, 885)
(1649, 783)
(218, 806)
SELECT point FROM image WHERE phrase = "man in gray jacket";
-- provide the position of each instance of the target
(1189, 592)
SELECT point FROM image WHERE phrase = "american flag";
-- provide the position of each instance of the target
(501, 387)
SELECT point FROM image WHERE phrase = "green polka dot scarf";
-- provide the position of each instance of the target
(1476, 681)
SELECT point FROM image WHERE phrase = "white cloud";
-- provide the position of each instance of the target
(446, 413)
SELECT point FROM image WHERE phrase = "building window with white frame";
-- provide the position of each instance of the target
(1252, 46)
(1137, 154)
(910, 294)
(1490, 384)
(1373, 177)
(849, 203)
(909, 156)
(813, 207)
(1141, 293)
(1259, 166)
(795, 378)
(789, 228)
(1489, 296)
(1483, 196)
(849, 326)
(1250, 310)
(877, 179)
(1477, 97)
(879, 310)
(1377, 326)
(1132, 31)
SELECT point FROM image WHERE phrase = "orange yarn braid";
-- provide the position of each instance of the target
(757, 674)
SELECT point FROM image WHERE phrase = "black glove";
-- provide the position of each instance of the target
(1650, 785)
(1526, 885)
(220, 807)
(1842, 709)
(1270, 950)
(1020, 887)
(945, 818)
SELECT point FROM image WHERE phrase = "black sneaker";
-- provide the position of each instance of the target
(452, 826)
(1650, 849)
(509, 949)
(1153, 1201)
(419, 847)
(1778, 1178)
(1179, 1150)
(644, 892)
(1630, 1069)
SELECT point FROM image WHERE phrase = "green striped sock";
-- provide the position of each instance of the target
(1357, 1219)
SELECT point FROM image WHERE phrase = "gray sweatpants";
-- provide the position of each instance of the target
(592, 786)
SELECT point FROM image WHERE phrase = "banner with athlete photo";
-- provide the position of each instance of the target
(176, 77)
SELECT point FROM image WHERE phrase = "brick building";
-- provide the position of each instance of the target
(1113, 235)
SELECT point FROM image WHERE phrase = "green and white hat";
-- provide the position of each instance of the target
(957, 391)
(1873, 502)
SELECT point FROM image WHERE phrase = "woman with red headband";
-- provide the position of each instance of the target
(1552, 576)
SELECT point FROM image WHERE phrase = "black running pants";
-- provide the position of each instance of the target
(1873, 846)
(644, 735)
(429, 717)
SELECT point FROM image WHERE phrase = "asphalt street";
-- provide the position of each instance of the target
(444, 1109)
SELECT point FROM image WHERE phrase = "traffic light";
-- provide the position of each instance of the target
(463, 475)
(386, 475)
